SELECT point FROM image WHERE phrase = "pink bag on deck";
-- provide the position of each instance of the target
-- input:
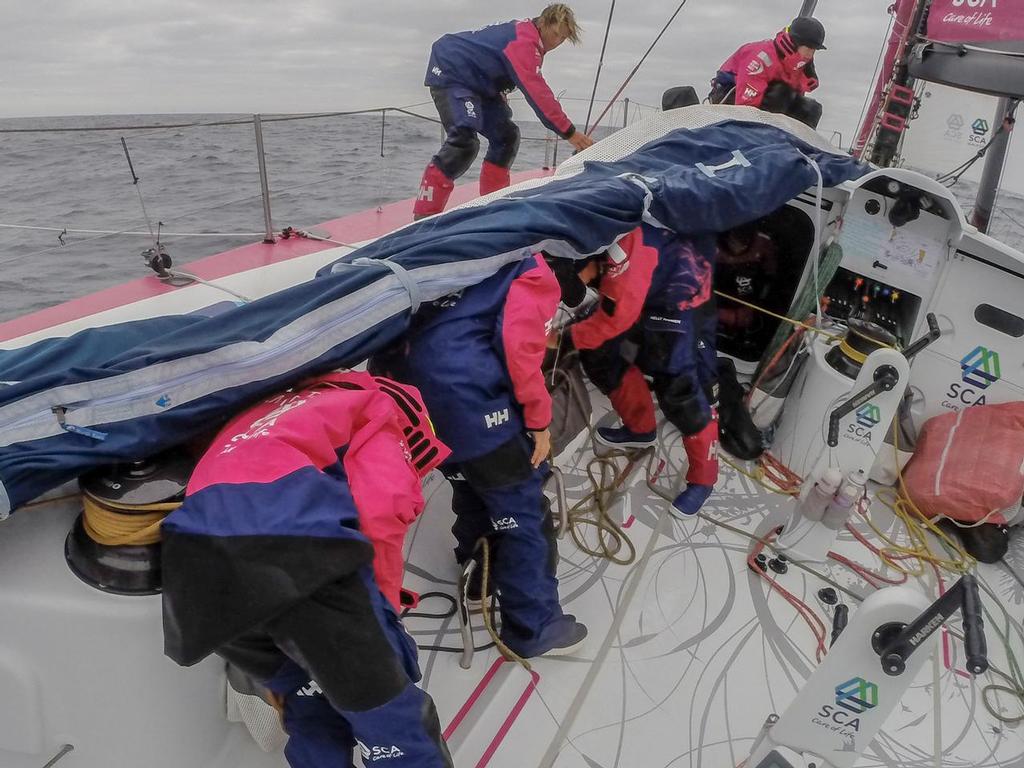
(969, 464)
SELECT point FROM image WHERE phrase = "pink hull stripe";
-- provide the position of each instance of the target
(355, 228)
(506, 726)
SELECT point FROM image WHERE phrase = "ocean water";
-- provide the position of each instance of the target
(194, 180)
(205, 180)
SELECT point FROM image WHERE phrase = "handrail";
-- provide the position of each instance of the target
(551, 159)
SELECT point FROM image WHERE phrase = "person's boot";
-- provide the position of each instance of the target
(736, 431)
(435, 189)
(702, 456)
(561, 637)
(623, 437)
(493, 177)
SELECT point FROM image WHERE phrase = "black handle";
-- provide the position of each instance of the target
(974, 627)
(932, 335)
(839, 621)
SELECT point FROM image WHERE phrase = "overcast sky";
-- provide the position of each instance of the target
(68, 57)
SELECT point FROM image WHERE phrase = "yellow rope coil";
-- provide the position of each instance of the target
(850, 352)
(120, 525)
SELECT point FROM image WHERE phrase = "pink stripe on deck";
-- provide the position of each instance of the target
(509, 721)
(355, 228)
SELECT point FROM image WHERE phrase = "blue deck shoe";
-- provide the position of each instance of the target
(559, 638)
(621, 437)
(692, 498)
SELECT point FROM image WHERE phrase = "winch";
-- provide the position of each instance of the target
(114, 544)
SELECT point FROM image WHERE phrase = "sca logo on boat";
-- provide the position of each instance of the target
(954, 127)
(867, 418)
(979, 370)
(853, 699)
(869, 415)
(979, 132)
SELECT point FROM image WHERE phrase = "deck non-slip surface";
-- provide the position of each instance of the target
(688, 652)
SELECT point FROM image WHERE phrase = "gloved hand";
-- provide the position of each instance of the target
(812, 77)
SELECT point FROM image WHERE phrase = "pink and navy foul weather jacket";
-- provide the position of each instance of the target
(755, 66)
(497, 59)
(649, 270)
(306, 487)
(476, 357)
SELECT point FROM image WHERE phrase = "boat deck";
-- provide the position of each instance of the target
(689, 652)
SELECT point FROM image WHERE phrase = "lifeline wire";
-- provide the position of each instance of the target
(600, 64)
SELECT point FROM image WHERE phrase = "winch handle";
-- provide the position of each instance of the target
(975, 646)
(898, 645)
(886, 379)
(932, 335)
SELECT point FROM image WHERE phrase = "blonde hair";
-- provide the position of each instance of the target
(560, 16)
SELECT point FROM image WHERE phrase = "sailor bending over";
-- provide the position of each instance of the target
(775, 74)
(655, 290)
(469, 75)
(286, 560)
(476, 356)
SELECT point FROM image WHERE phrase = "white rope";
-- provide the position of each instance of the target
(201, 281)
(140, 234)
(311, 236)
(819, 195)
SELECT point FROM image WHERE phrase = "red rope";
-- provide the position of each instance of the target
(812, 619)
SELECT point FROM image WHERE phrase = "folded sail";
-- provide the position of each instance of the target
(120, 398)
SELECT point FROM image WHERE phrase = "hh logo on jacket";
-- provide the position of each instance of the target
(497, 418)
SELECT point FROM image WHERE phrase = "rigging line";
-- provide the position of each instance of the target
(877, 70)
(637, 67)
(145, 213)
(954, 175)
(273, 118)
(18, 257)
(181, 215)
(123, 232)
(600, 64)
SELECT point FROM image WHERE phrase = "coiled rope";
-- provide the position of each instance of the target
(121, 525)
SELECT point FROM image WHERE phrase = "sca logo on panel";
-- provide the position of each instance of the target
(979, 370)
(868, 417)
(853, 698)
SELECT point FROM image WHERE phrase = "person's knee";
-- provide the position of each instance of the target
(605, 370)
(807, 111)
(683, 403)
(778, 97)
(459, 151)
(504, 146)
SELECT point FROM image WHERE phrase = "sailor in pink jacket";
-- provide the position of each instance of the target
(775, 75)
(469, 75)
(286, 560)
